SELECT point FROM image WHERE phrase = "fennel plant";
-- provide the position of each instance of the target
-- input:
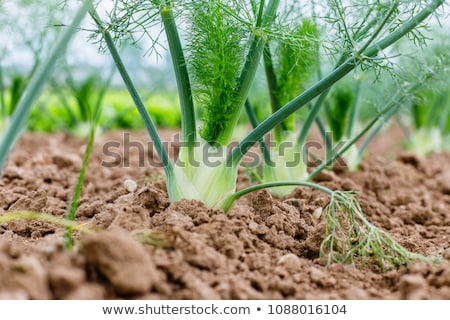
(215, 66)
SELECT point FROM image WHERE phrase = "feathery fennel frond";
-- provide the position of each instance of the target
(133, 21)
(297, 60)
(215, 54)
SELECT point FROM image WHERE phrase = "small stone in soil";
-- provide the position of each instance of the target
(130, 185)
(317, 213)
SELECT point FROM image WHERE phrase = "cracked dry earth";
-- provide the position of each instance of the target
(142, 247)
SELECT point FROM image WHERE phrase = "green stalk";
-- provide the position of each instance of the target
(342, 118)
(150, 126)
(272, 84)
(254, 122)
(312, 115)
(17, 89)
(350, 64)
(36, 85)
(3, 111)
(273, 89)
(379, 29)
(323, 132)
(273, 184)
(294, 66)
(270, 13)
(228, 203)
(249, 70)
(354, 110)
(71, 210)
(362, 31)
(260, 16)
(188, 127)
(94, 114)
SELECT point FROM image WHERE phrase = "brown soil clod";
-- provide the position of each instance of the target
(121, 260)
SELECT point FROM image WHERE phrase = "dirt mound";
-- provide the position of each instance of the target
(265, 248)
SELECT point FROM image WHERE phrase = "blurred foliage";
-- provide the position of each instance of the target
(338, 106)
(29, 28)
(117, 112)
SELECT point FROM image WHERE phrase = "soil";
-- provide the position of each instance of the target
(143, 247)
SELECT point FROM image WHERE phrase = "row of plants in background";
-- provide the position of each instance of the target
(31, 28)
(24, 43)
(60, 109)
(215, 59)
(17, 122)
